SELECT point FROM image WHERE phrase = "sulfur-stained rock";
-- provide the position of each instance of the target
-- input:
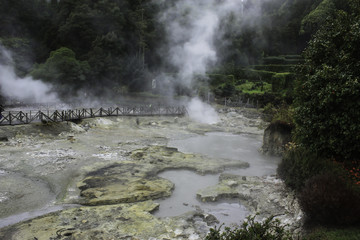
(136, 180)
(120, 221)
(265, 195)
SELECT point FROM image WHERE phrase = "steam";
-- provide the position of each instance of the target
(22, 89)
(192, 28)
(202, 112)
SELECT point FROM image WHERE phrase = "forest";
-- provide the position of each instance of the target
(117, 44)
(299, 59)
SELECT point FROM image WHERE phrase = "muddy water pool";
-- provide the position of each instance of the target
(39, 173)
(243, 147)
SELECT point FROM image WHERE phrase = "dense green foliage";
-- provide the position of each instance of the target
(62, 68)
(110, 39)
(323, 164)
(117, 43)
(298, 165)
(269, 229)
(327, 113)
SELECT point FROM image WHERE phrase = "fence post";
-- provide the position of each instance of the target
(10, 118)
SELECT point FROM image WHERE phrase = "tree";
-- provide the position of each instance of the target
(62, 69)
(328, 96)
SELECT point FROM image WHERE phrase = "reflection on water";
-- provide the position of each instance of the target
(216, 145)
(230, 146)
(32, 214)
(184, 199)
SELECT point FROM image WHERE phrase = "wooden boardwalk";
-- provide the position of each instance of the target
(26, 117)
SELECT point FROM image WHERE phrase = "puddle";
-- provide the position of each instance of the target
(244, 147)
(184, 199)
(215, 145)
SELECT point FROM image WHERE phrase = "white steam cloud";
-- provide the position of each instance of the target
(22, 89)
(202, 112)
(192, 28)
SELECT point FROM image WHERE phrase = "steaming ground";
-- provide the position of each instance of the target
(42, 164)
(51, 157)
(24, 89)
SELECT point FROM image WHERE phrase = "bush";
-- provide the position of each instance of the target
(270, 229)
(274, 60)
(329, 199)
(218, 79)
(282, 113)
(327, 96)
(298, 165)
(334, 234)
(258, 75)
(282, 81)
(275, 68)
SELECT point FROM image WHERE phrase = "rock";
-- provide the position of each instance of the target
(133, 221)
(136, 180)
(276, 136)
(265, 195)
(231, 183)
(76, 128)
(4, 139)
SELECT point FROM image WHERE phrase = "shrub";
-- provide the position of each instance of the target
(275, 68)
(334, 234)
(217, 79)
(274, 60)
(258, 75)
(327, 96)
(282, 81)
(282, 113)
(270, 229)
(329, 199)
(298, 165)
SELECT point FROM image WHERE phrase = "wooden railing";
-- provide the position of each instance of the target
(26, 117)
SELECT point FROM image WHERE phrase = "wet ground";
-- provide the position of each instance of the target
(40, 166)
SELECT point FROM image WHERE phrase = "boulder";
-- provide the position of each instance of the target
(276, 136)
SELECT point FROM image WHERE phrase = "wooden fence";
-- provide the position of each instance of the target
(26, 117)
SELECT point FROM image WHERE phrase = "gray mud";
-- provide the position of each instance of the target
(43, 167)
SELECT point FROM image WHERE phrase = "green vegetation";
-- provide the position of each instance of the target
(334, 234)
(62, 68)
(114, 45)
(323, 164)
(253, 87)
(269, 229)
(117, 43)
(275, 68)
(328, 95)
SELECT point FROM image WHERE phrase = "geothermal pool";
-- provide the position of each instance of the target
(244, 147)
(39, 171)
